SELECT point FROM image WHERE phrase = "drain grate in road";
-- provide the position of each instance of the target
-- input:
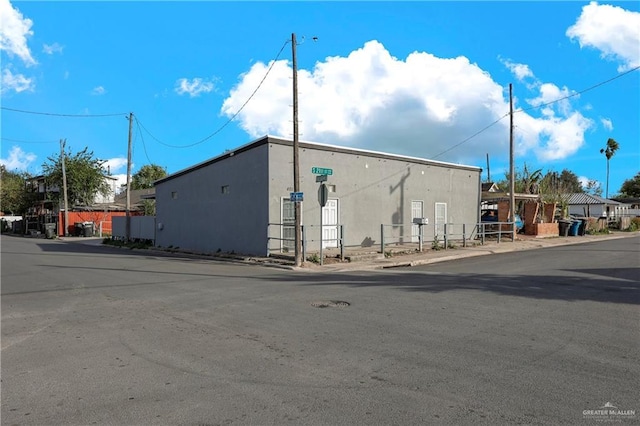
(330, 304)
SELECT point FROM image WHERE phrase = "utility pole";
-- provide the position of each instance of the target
(512, 183)
(488, 169)
(128, 205)
(296, 160)
(64, 189)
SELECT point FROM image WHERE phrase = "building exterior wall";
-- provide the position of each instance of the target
(374, 190)
(193, 212)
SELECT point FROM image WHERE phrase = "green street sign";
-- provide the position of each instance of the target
(321, 171)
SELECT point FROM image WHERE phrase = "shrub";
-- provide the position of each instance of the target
(435, 245)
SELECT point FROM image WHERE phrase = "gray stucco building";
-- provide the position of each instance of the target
(239, 201)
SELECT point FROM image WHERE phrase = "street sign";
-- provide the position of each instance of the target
(321, 171)
(323, 195)
(296, 196)
(321, 178)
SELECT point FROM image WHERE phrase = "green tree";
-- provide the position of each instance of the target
(526, 181)
(594, 188)
(609, 151)
(15, 197)
(85, 176)
(631, 187)
(147, 175)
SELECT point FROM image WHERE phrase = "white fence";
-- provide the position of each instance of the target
(142, 227)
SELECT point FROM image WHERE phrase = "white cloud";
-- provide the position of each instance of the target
(193, 87)
(14, 30)
(521, 71)
(115, 164)
(421, 106)
(99, 90)
(18, 159)
(606, 123)
(610, 29)
(17, 82)
(50, 49)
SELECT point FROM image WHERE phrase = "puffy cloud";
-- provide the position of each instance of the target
(18, 159)
(521, 71)
(50, 49)
(99, 90)
(14, 30)
(193, 87)
(16, 82)
(610, 29)
(422, 106)
(606, 123)
(115, 164)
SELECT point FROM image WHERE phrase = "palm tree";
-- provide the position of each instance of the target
(609, 151)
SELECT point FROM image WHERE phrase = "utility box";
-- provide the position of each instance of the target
(420, 221)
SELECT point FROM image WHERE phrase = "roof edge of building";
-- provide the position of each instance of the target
(313, 145)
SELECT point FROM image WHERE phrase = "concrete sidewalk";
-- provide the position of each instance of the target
(397, 259)
(522, 242)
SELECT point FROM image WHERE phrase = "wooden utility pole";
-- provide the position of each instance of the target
(488, 169)
(64, 189)
(296, 160)
(512, 183)
(128, 205)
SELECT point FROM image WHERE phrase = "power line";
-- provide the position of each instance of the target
(538, 106)
(228, 121)
(580, 92)
(23, 141)
(144, 146)
(472, 136)
(61, 115)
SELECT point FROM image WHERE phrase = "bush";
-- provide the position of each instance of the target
(435, 245)
(634, 225)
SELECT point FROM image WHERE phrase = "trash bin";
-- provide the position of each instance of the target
(78, 229)
(575, 226)
(582, 230)
(88, 229)
(50, 230)
(564, 226)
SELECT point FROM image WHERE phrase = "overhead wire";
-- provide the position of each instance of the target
(61, 115)
(273, 62)
(538, 106)
(144, 146)
(23, 141)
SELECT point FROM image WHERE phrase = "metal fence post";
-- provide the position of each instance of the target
(382, 238)
(464, 235)
(342, 242)
(304, 244)
(445, 236)
(499, 231)
(483, 230)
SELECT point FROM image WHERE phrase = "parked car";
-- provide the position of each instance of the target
(491, 215)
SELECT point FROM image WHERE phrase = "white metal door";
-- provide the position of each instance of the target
(330, 224)
(441, 220)
(416, 212)
(288, 225)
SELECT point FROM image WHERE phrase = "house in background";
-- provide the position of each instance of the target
(47, 211)
(587, 205)
(240, 201)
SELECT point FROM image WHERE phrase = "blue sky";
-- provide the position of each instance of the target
(411, 78)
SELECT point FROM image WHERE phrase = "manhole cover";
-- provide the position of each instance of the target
(330, 304)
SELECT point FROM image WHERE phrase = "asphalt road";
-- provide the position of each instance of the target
(97, 335)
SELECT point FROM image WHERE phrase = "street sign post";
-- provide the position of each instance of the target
(321, 171)
(296, 197)
(323, 195)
